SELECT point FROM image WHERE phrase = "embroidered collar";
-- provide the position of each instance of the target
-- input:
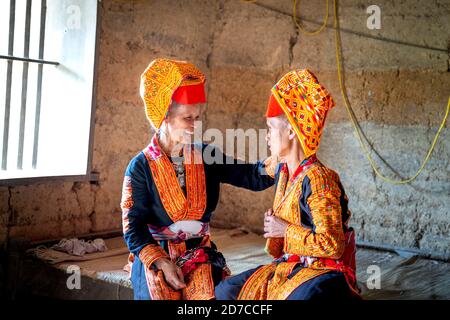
(178, 205)
(305, 163)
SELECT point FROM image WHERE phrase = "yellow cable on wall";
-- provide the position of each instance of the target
(354, 120)
(299, 26)
(347, 103)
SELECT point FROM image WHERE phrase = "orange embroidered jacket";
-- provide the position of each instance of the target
(317, 210)
(315, 205)
(146, 207)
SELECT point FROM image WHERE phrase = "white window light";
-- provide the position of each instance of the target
(47, 51)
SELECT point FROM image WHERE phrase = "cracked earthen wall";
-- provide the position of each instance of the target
(398, 92)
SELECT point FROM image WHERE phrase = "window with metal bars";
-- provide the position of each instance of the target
(47, 67)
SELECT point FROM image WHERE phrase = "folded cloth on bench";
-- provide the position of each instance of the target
(80, 247)
(67, 251)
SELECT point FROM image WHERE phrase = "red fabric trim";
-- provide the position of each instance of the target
(312, 159)
(273, 108)
(346, 264)
(190, 94)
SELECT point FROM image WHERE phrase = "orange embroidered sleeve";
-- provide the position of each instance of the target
(327, 240)
(135, 204)
(150, 253)
(126, 203)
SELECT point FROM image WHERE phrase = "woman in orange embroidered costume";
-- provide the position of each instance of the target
(170, 191)
(307, 229)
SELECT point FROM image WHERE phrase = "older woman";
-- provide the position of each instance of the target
(170, 191)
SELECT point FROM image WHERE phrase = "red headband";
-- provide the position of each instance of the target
(190, 94)
(273, 108)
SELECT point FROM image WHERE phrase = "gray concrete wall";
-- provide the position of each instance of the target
(399, 93)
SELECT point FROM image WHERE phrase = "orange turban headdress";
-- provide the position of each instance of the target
(164, 81)
(305, 102)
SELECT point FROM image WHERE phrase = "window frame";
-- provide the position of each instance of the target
(90, 175)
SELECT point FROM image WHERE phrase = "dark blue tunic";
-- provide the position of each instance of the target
(148, 209)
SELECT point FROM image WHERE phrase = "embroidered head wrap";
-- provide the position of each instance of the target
(305, 102)
(164, 81)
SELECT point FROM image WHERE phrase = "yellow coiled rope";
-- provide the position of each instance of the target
(346, 100)
(299, 26)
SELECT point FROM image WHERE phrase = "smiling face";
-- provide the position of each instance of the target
(279, 136)
(181, 120)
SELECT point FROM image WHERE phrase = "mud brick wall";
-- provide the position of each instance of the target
(398, 92)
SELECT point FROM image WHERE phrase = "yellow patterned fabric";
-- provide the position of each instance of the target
(160, 80)
(255, 288)
(328, 241)
(177, 205)
(306, 104)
